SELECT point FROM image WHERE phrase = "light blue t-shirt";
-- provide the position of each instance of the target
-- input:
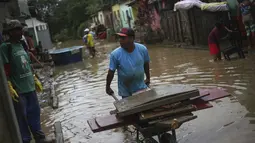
(130, 67)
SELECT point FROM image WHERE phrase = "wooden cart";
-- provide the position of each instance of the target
(159, 120)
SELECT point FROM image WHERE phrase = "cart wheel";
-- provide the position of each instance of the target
(167, 138)
(150, 140)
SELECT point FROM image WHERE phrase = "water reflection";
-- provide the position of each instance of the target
(81, 90)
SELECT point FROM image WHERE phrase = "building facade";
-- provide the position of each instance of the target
(117, 21)
(101, 18)
(127, 16)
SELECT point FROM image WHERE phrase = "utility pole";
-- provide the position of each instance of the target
(9, 129)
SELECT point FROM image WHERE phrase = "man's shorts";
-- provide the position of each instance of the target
(249, 24)
(214, 49)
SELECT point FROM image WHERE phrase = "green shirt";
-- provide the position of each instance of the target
(21, 75)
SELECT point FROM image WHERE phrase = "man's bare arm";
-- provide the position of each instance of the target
(147, 72)
(228, 29)
(34, 58)
(109, 79)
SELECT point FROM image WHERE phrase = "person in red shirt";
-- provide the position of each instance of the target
(214, 40)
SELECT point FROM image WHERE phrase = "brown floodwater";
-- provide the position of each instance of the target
(81, 91)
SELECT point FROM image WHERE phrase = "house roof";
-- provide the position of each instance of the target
(106, 7)
(131, 3)
(34, 22)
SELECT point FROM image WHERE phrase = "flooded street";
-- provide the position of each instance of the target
(81, 91)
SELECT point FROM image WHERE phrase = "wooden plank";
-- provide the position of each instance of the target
(172, 26)
(211, 94)
(109, 122)
(202, 93)
(157, 93)
(151, 115)
(180, 27)
(169, 107)
(177, 117)
(215, 94)
(201, 104)
(181, 120)
(191, 27)
(112, 121)
(135, 100)
(156, 104)
(59, 133)
(160, 127)
(93, 126)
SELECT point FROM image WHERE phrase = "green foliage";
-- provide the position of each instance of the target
(65, 17)
(62, 36)
(80, 30)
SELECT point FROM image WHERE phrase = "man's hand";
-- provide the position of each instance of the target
(147, 82)
(109, 91)
(13, 92)
(109, 78)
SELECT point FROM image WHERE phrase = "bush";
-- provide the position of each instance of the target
(62, 36)
(81, 28)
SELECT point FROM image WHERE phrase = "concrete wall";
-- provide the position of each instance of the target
(135, 11)
(95, 19)
(44, 37)
(108, 19)
(125, 12)
(117, 22)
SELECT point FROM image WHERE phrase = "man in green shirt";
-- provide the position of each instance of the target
(20, 76)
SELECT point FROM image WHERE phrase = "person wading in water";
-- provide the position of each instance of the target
(131, 60)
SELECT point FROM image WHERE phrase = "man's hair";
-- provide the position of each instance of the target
(26, 33)
(218, 25)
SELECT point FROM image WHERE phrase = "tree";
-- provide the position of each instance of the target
(144, 16)
(65, 14)
(44, 8)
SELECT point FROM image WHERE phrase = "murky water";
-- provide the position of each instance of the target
(81, 90)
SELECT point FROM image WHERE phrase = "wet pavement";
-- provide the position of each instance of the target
(81, 91)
